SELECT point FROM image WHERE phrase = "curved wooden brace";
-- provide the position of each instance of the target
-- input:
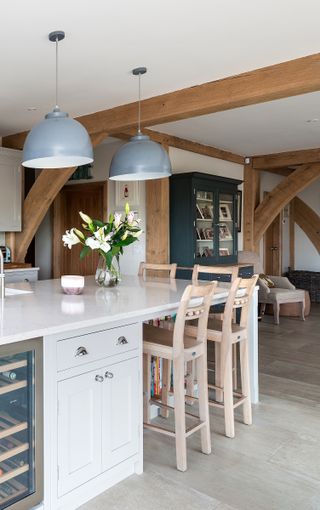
(281, 195)
(37, 203)
(308, 220)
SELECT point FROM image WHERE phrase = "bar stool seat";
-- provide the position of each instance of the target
(162, 343)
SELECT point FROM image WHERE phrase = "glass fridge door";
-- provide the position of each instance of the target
(20, 426)
(204, 233)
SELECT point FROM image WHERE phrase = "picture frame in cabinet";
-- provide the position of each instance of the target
(208, 232)
(224, 212)
(224, 232)
(224, 252)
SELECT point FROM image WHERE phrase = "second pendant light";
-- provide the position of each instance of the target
(140, 159)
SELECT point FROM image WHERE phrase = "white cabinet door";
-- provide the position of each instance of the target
(10, 190)
(79, 430)
(120, 412)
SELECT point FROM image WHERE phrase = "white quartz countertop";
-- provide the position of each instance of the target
(48, 311)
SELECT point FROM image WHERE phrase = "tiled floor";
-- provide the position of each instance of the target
(273, 465)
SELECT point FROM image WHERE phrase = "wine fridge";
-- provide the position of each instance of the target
(21, 425)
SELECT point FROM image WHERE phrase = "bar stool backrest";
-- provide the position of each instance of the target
(236, 300)
(189, 311)
(245, 302)
(198, 269)
(155, 268)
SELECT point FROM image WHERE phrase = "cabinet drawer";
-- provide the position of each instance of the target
(77, 351)
(21, 276)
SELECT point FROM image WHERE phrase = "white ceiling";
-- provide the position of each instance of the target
(276, 126)
(182, 42)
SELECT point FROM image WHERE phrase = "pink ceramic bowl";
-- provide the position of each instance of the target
(72, 284)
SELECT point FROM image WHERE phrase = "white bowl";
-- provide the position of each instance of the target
(72, 284)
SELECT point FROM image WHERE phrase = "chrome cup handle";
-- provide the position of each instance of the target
(81, 351)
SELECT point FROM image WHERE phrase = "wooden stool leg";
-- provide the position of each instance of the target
(228, 396)
(166, 382)
(190, 381)
(146, 387)
(179, 413)
(245, 382)
(235, 366)
(217, 373)
(202, 378)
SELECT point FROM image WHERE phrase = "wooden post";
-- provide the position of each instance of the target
(251, 199)
(157, 212)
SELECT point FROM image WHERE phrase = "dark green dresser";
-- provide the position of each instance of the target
(203, 219)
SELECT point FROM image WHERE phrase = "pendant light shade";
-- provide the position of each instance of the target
(57, 141)
(140, 159)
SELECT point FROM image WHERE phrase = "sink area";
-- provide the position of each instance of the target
(16, 292)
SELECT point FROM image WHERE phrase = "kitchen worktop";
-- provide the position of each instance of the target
(46, 310)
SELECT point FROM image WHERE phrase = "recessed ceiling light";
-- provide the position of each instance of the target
(312, 121)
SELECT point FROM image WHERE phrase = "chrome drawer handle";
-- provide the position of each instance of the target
(108, 375)
(122, 340)
(99, 378)
(81, 351)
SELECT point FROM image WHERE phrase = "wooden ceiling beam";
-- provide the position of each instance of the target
(186, 145)
(283, 159)
(281, 195)
(308, 220)
(286, 79)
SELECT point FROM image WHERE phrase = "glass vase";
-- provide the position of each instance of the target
(105, 276)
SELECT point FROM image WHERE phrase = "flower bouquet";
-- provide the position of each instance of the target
(109, 239)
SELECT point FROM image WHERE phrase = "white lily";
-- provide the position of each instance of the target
(85, 218)
(117, 219)
(136, 234)
(70, 239)
(103, 239)
(130, 217)
(125, 235)
(92, 243)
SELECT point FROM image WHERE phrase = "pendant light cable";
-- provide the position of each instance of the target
(139, 106)
(57, 71)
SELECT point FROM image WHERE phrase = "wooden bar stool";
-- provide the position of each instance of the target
(174, 345)
(227, 333)
(231, 271)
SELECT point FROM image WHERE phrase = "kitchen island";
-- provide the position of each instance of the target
(92, 373)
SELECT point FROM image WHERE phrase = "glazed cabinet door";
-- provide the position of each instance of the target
(120, 412)
(79, 430)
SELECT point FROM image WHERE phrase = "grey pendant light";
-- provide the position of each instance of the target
(140, 159)
(57, 141)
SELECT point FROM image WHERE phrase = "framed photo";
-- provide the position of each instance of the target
(127, 192)
(199, 213)
(239, 211)
(224, 212)
(224, 252)
(224, 232)
(206, 212)
(208, 232)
